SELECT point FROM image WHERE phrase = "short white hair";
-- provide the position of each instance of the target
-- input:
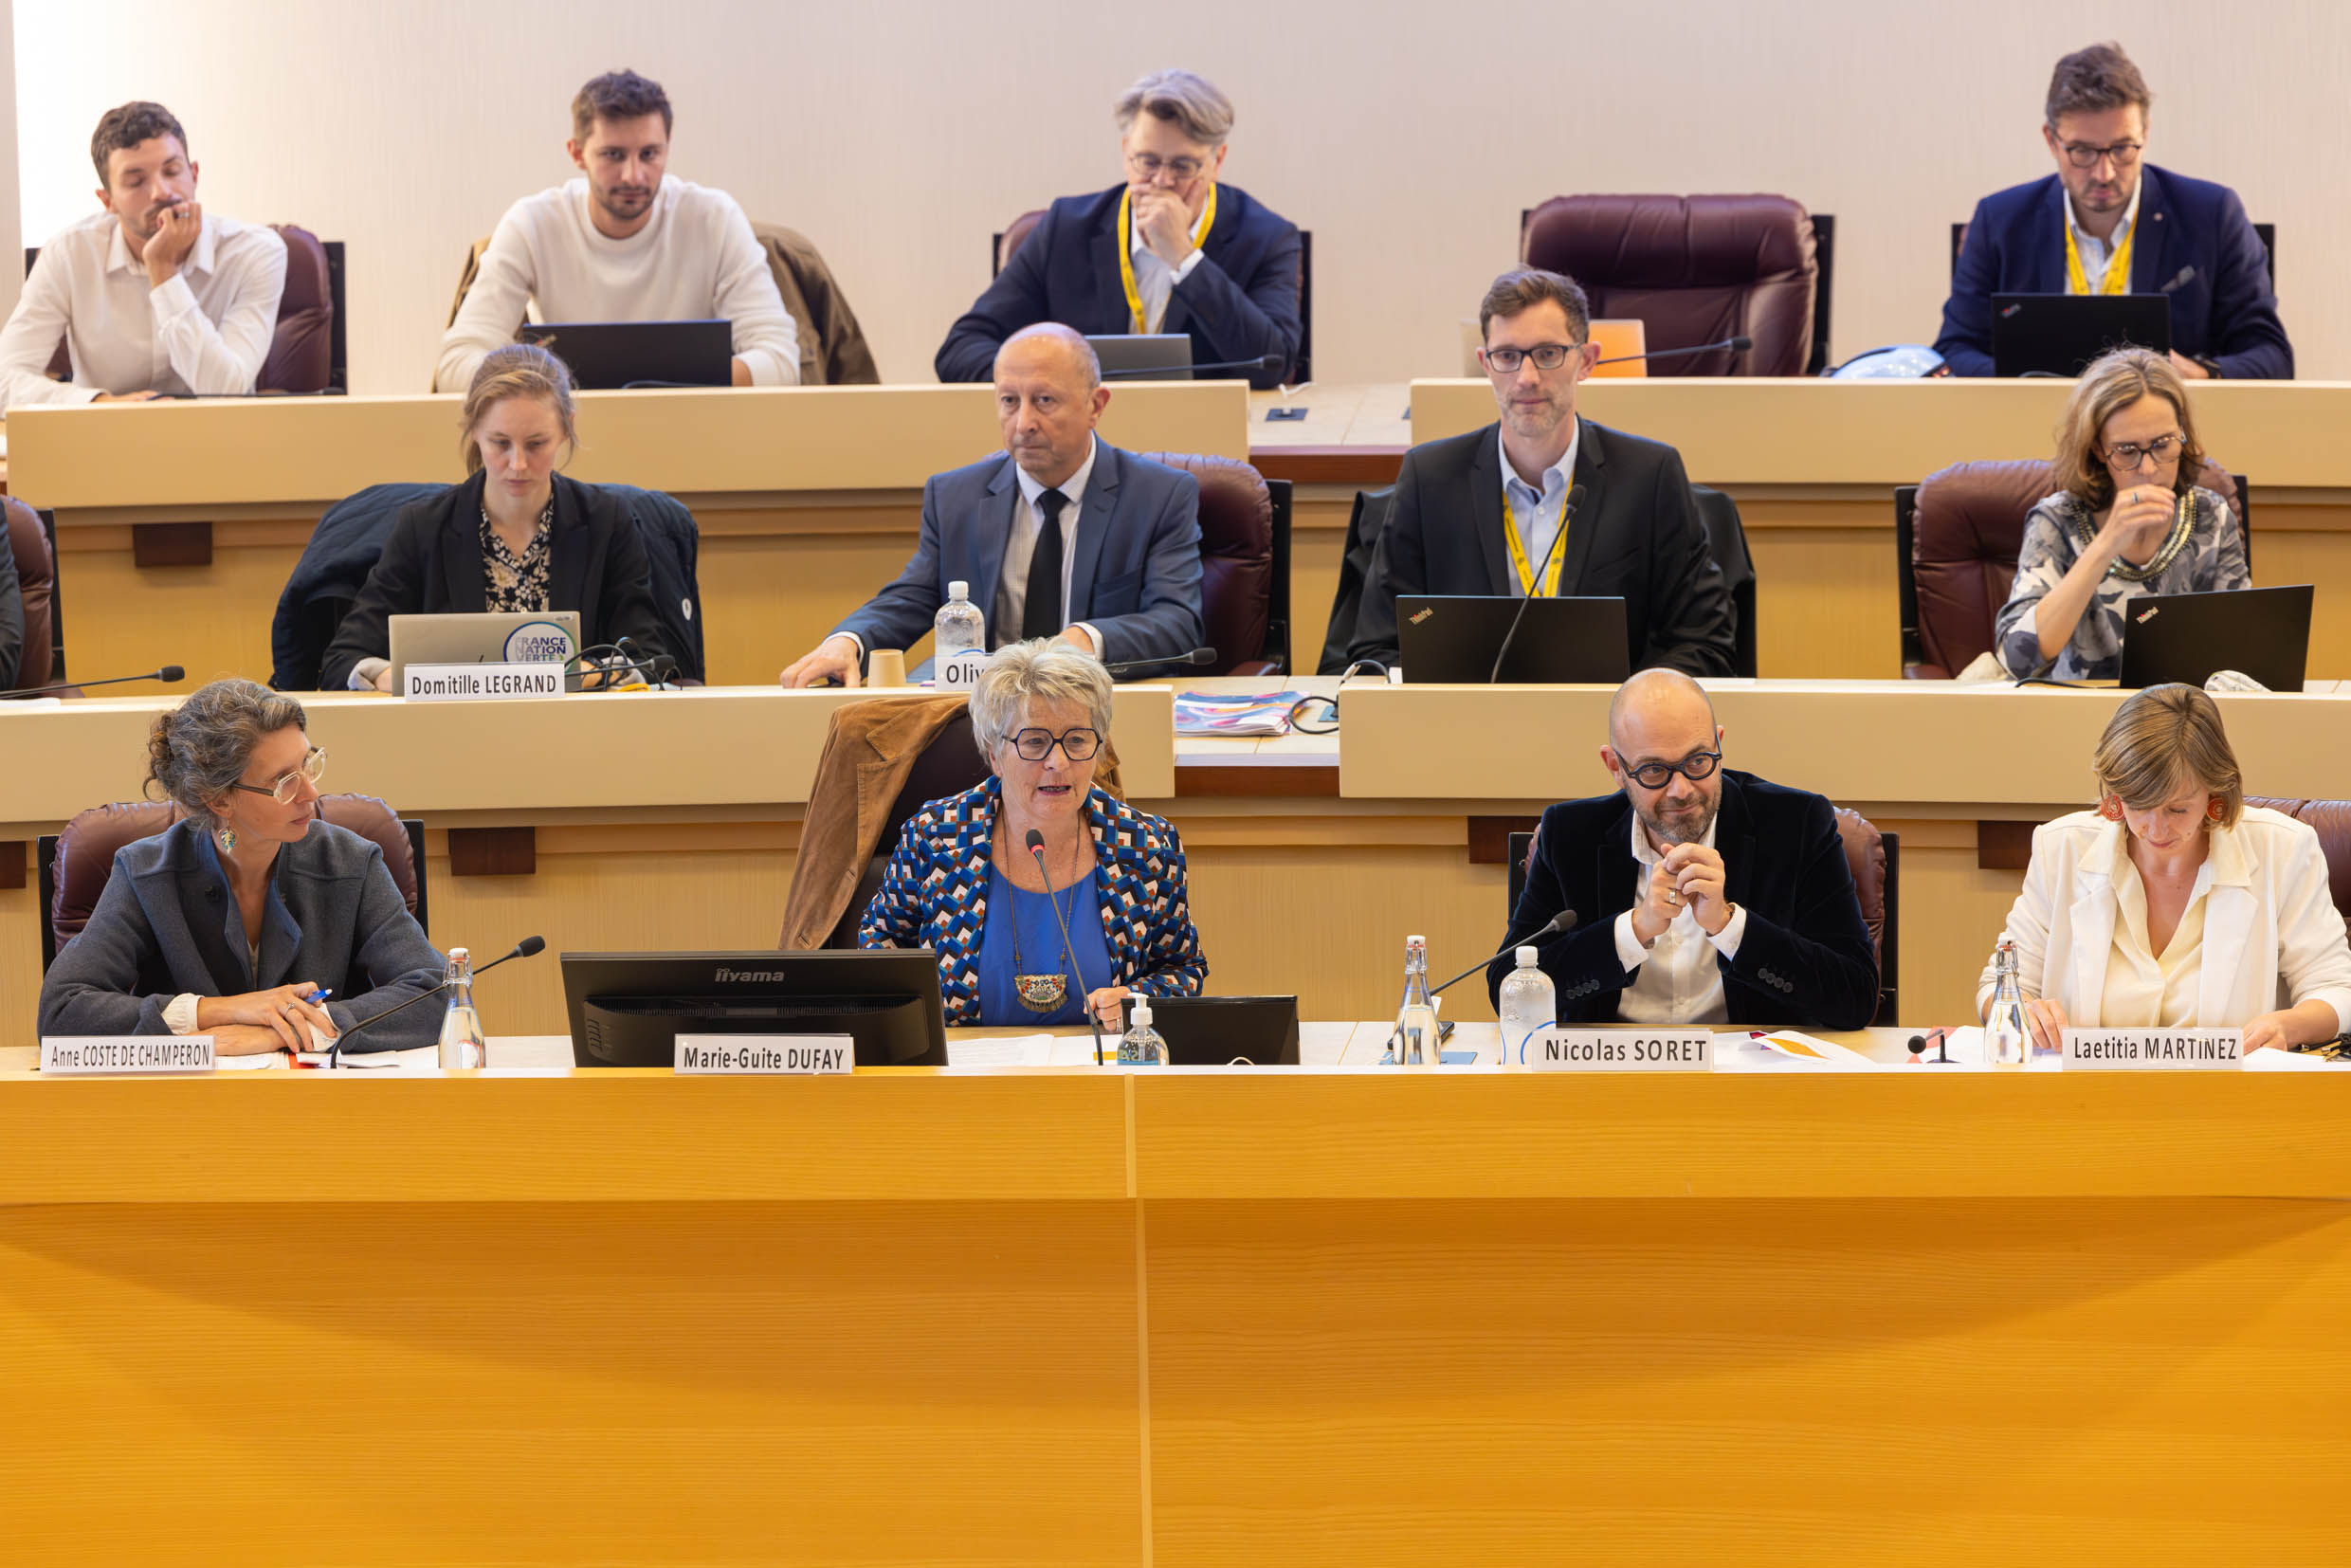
(1043, 670)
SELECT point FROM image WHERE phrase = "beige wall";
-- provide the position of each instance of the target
(898, 135)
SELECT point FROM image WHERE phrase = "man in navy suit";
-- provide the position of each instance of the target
(1703, 896)
(1169, 250)
(2107, 223)
(1059, 535)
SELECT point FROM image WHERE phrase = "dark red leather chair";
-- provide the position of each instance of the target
(1691, 269)
(1956, 534)
(2332, 819)
(36, 584)
(1242, 573)
(76, 863)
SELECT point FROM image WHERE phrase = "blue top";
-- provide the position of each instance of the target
(1028, 917)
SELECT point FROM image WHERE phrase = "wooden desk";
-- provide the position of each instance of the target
(1323, 1317)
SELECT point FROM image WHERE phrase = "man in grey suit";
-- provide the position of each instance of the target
(1061, 534)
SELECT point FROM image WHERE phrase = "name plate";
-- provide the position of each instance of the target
(481, 682)
(959, 671)
(786, 1055)
(1621, 1050)
(92, 1055)
(2154, 1050)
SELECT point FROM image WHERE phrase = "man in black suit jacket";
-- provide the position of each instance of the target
(1702, 895)
(1170, 250)
(1633, 535)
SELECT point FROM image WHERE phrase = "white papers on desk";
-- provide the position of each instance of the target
(2285, 1061)
(1786, 1050)
(1006, 1050)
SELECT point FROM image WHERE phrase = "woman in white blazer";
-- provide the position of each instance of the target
(2173, 904)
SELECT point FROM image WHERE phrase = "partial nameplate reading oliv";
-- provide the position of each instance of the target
(1621, 1050)
(88, 1055)
(482, 683)
(957, 671)
(799, 1055)
(2154, 1050)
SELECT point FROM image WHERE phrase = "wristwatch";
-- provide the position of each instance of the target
(2211, 365)
(179, 1014)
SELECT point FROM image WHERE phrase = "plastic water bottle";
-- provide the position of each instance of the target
(462, 1044)
(1529, 1003)
(1416, 1032)
(958, 628)
(1140, 1046)
(2006, 1040)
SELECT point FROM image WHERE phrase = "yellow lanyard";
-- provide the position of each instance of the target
(1518, 551)
(2117, 280)
(1126, 248)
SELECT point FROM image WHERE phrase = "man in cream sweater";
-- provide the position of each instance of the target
(625, 244)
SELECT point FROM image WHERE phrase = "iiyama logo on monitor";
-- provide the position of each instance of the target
(722, 973)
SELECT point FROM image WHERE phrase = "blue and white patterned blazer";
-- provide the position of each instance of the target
(934, 894)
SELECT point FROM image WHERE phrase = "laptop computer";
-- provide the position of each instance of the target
(1145, 355)
(1209, 1031)
(1445, 638)
(496, 637)
(2058, 334)
(607, 356)
(2264, 632)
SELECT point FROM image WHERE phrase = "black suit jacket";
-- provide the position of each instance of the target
(431, 565)
(1240, 302)
(1805, 958)
(1637, 537)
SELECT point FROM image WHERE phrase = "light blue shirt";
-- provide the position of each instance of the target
(1536, 515)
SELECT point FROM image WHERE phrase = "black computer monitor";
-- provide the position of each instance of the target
(1452, 639)
(1145, 355)
(607, 356)
(627, 1009)
(2059, 334)
(1214, 1032)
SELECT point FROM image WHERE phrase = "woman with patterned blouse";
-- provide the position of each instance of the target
(2129, 522)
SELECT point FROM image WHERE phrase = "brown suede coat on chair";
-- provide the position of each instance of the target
(868, 752)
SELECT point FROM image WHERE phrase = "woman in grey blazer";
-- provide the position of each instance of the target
(230, 922)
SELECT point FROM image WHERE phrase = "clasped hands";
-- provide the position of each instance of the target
(1690, 877)
(256, 1021)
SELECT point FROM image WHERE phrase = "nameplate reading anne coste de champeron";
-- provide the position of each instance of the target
(786, 1055)
(482, 683)
(90, 1055)
(1621, 1050)
(2154, 1050)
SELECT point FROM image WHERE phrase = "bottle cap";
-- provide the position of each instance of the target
(459, 954)
(1416, 941)
(1527, 957)
(958, 590)
(1142, 1015)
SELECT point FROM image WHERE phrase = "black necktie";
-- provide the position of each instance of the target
(1040, 615)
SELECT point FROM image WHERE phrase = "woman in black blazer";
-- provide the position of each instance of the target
(516, 535)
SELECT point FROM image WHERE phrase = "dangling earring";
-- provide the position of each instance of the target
(2110, 808)
(228, 837)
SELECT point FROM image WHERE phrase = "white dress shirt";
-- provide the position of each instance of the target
(2148, 990)
(1537, 516)
(1028, 520)
(1154, 280)
(1675, 980)
(206, 330)
(2096, 252)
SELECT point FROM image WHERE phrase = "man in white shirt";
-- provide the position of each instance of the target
(624, 243)
(150, 295)
(1705, 896)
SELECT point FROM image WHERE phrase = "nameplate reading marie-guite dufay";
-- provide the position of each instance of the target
(482, 683)
(92, 1055)
(2154, 1050)
(1621, 1050)
(788, 1055)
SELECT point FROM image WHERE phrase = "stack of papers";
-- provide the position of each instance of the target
(1266, 714)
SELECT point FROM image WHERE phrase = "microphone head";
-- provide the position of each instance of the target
(1740, 345)
(1563, 920)
(530, 947)
(1203, 655)
(1918, 1045)
(169, 673)
(1035, 842)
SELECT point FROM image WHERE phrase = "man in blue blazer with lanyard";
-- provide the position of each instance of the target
(2104, 223)
(1169, 250)
(1061, 533)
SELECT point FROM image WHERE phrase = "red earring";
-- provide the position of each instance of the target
(2110, 808)
(2215, 809)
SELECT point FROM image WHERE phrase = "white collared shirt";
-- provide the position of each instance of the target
(1011, 601)
(2095, 252)
(1154, 280)
(1675, 980)
(206, 330)
(1537, 515)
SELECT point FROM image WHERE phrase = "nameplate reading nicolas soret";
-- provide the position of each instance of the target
(2154, 1050)
(788, 1055)
(1621, 1050)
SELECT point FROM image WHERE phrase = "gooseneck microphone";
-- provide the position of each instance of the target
(1563, 920)
(1736, 345)
(527, 947)
(169, 675)
(1197, 656)
(1036, 852)
(1567, 514)
(1175, 373)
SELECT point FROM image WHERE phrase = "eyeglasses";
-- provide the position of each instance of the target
(285, 789)
(1548, 357)
(2131, 457)
(1036, 745)
(1697, 765)
(2124, 154)
(1149, 165)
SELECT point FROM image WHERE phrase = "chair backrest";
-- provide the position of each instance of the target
(948, 766)
(1016, 235)
(833, 352)
(1364, 526)
(302, 351)
(1727, 538)
(76, 863)
(2332, 819)
(1966, 526)
(1694, 269)
(36, 585)
(1236, 555)
(1824, 257)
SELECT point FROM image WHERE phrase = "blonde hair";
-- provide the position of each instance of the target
(2164, 737)
(1043, 670)
(2107, 387)
(519, 370)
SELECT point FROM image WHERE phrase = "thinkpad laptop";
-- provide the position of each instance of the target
(1444, 639)
(609, 355)
(2264, 632)
(2058, 334)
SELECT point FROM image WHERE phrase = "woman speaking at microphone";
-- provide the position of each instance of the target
(231, 920)
(992, 879)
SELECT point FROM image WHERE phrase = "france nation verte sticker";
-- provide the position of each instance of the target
(482, 683)
(2154, 1050)
(1621, 1050)
(94, 1055)
(788, 1055)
